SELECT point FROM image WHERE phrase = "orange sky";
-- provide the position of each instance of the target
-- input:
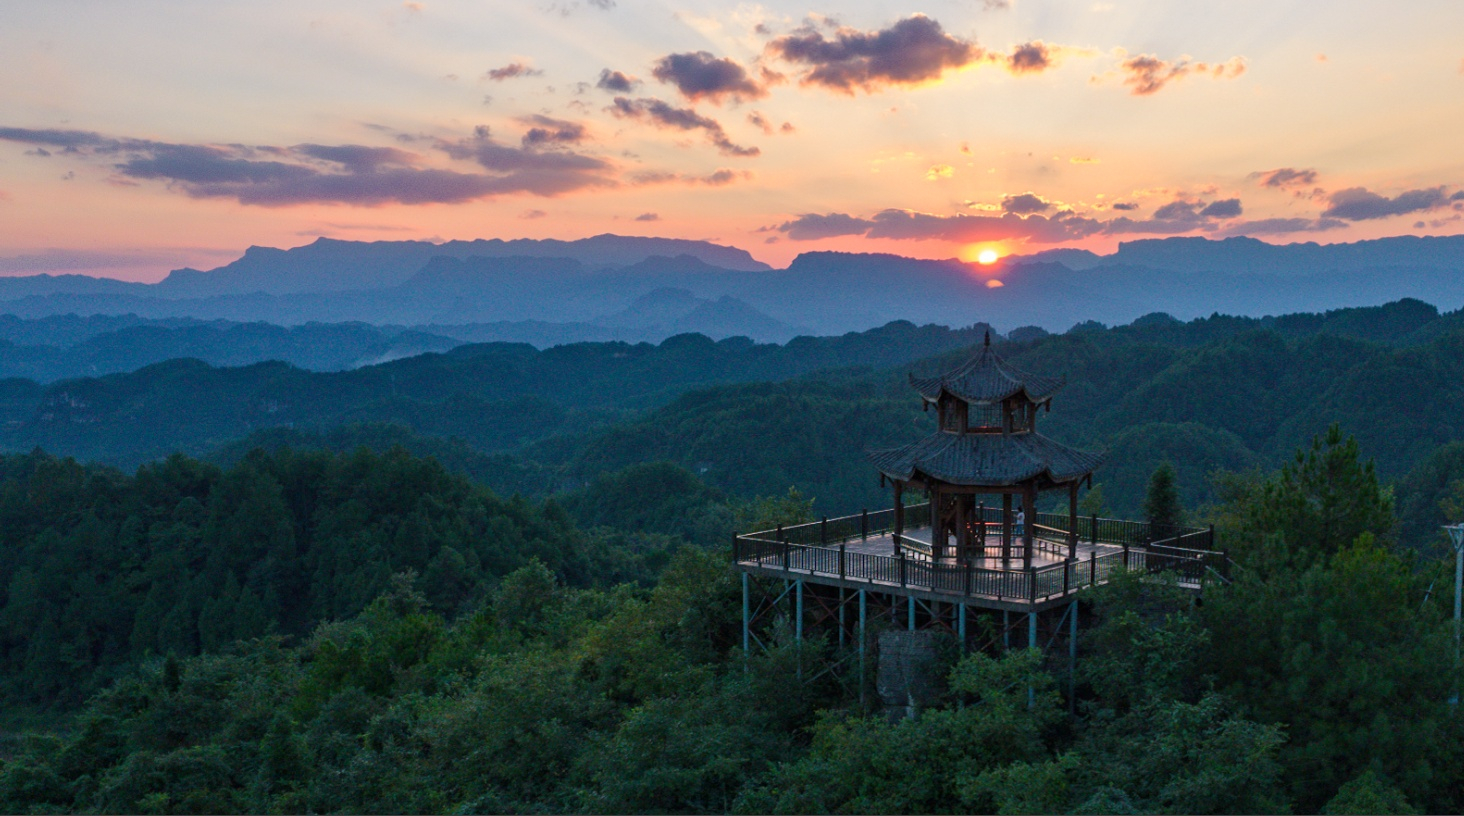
(145, 136)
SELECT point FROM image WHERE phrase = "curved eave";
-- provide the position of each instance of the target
(931, 389)
(1009, 461)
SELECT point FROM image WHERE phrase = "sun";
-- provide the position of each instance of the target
(988, 256)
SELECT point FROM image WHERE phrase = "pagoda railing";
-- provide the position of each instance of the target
(819, 549)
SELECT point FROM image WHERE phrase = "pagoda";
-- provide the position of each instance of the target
(986, 443)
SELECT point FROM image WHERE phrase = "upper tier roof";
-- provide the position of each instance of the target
(986, 378)
(986, 460)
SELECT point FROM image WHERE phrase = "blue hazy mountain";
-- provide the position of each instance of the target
(329, 265)
(569, 290)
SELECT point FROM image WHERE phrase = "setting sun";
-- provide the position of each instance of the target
(987, 256)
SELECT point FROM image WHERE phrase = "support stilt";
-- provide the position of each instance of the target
(746, 618)
(912, 613)
(798, 624)
(961, 624)
(863, 607)
(1031, 644)
(1073, 658)
(841, 617)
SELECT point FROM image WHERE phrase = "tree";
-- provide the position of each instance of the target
(767, 512)
(1322, 501)
(1161, 506)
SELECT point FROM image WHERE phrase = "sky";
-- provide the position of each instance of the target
(139, 136)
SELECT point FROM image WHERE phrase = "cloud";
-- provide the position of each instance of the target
(531, 215)
(357, 157)
(916, 226)
(700, 75)
(939, 171)
(545, 130)
(1177, 217)
(1176, 210)
(1146, 74)
(69, 141)
(1225, 208)
(912, 51)
(359, 175)
(662, 115)
(813, 226)
(1022, 220)
(513, 70)
(650, 216)
(717, 178)
(1032, 57)
(567, 9)
(616, 82)
(1361, 204)
(1280, 226)
(1025, 204)
(540, 172)
(906, 225)
(1286, 177)
(1124, 205)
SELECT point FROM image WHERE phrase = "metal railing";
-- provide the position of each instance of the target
(820, 548)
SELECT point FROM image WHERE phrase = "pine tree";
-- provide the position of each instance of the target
(1161, 506)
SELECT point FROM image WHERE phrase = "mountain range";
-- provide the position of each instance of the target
(614, 287)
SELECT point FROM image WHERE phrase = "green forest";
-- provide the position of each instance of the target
(499, 580)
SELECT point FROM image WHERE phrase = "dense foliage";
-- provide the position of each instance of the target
(1317, 681)
(303, 624)
(101, 569)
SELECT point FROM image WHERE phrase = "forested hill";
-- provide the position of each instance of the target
(1243, 401)
(360, 633)
(1215, 393)
(496, 395)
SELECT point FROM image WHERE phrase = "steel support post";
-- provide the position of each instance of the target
(863, 607)
(746, 618)
(841, 617)
(961, 624)
(912, 613)
(798, 624)
(1458, 597)
(1031, 644)
(1073, 658)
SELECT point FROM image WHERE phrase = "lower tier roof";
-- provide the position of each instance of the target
(986, 459)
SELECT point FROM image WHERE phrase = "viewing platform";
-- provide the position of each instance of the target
(864, 552)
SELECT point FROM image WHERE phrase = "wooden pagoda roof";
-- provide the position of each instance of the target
(986, 379)
(986, 459)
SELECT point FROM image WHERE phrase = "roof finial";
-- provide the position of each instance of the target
(988, 337)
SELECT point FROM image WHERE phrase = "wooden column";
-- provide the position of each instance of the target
(981, 527)
(937, 524)
(1073, 520)
(899, 514)
(962, 534)
(1028, 502)
(1006, 526)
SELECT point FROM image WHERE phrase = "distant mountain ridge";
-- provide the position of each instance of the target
(330, 265)
(529, 293)
(1243, 255)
